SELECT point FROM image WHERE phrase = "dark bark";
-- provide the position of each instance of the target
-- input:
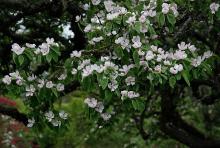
(174, 126)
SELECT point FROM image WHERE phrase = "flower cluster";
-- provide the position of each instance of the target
(214, 7)
(98, 106)
(127, 49)
(56, 121)
(44, 48)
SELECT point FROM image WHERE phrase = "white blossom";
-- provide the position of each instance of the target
(63, 115)
(44, 49)
(91, 102)
(30, 90)
(78, 18)
(177, 68)
(165, 8)
(106, 116)
(113, 85)
(56, 122)
(149, 55)
(214, 7)
(30, 45)
(31, 122)
(130, 80)
(182, 46)
(76, 54)
(62, 76)
(60, 87)
(41, 83)
(96, 2)
(49, 115)
(31, 78)
(6, 80)
(99, 107)
(17, 49)
(158, 68)
(88, 28)
(136, 42)
(49, 84)
(74, 71)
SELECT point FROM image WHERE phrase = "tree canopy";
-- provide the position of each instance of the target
(155, 62)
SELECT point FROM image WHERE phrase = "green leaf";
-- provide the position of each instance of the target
(137, 27)
(138, 105)
(136, 58)
(161, 19)
(108, 95)
(171, 18)
(56, 50)
(151, 30)
(172, 81)
(103, 81)
(49, 58)
(119, 52)
(86, 83)
(15, 59)
(21, 59)
(185, 75)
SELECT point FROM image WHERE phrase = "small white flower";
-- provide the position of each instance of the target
(167, 63)
(49, 115)
(31, 78)
(214, 7)
(173, 70)
(207, 54)
(44, 48)
(30, 45)
(86, 6)
(15, 75)
(99, 107)
(31, 122)
(17, 49)
(165, 8)
(136, 42)
(113, 85)
(131, 19)
(49, 84)
(108, 5)
(74, 71)
(30, 90)
(96, 2)
(177, 68)
(150, 55)
(63, 115)
(41, 83)
(106, 116)
(76, 54)
(6, 80)
(182, 46)
(157, 68)
(60, 87)
(196, 62)
(192, 48)
(180, 55)
(78, 18)
(91, 102)
(88, 28)
(62, 76)
(130, 80)
(50, 41)
(56, 122)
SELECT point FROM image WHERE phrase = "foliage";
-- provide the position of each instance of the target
(139, 58)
